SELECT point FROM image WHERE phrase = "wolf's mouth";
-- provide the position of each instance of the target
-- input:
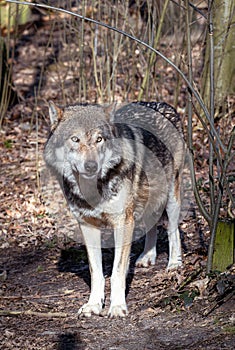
(89, 176)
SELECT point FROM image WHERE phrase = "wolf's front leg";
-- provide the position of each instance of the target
(123, 233)
(92, 238)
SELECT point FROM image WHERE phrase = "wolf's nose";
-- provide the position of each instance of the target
(91, 166)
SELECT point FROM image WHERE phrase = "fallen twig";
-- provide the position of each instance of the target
(219, 302)
(68, 294)
(190, 278)
(32, 313)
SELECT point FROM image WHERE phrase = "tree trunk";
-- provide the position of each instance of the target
(224, 55)
(7, 94)
(223, 255)
(11, 17)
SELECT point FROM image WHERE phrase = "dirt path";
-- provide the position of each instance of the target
(50, 285)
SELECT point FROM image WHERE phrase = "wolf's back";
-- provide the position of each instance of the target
(159, 124)
(166, 110)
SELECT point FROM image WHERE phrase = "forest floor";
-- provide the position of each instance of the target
(44, 273)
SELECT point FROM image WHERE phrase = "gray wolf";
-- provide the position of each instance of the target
(118, 168)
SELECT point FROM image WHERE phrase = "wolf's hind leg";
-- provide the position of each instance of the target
(92, 238)
(173, 212)
(148, 257)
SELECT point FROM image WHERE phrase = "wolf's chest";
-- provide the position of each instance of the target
(89, 202)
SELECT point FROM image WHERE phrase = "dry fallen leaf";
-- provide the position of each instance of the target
(201, 285)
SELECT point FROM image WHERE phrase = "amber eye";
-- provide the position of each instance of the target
(75, 139)
(99, 139)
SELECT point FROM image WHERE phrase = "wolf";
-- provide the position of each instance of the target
(118, 167)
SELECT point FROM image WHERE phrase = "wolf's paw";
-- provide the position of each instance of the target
(145, 260)
(174, 265)
(118, 311)
(88, 309)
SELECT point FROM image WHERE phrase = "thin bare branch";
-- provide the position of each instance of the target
(152, 57)
(212, 107)
(200, 204)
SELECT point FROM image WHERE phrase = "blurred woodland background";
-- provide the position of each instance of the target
(47, 54)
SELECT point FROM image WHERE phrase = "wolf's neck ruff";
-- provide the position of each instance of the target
(89, 193)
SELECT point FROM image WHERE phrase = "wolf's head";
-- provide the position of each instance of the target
(81, 141)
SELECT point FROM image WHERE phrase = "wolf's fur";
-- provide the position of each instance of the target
(118, 169)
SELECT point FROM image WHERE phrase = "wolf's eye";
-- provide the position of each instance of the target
(99, 139)
(75, 139)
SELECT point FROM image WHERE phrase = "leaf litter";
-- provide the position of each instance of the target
(44, 273)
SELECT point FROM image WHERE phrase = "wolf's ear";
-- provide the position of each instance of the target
(110, 111)
(55, 114)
